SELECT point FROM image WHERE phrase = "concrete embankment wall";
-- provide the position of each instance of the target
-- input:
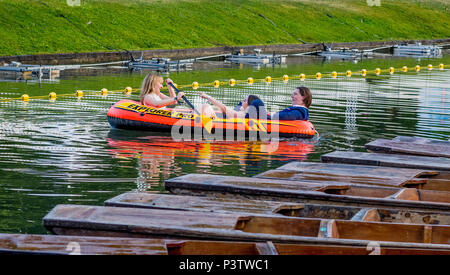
(100, 57)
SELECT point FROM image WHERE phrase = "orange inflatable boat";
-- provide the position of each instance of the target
(129, 114)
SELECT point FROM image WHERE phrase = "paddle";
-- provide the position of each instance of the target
(206, 121)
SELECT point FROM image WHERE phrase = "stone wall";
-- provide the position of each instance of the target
(100, 57)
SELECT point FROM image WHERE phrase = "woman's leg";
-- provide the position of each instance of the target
(207, 110)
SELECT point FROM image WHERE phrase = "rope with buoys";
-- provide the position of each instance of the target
(232, 82)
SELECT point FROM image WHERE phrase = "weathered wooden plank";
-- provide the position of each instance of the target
(361, 174)
(306, 192)
(117, 221)
(256, 207)
(195, 203)
(420, 140)
(389, 160)
(48, 244)
(413, 148)
(13, 244)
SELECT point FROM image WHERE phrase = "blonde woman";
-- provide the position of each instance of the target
(151, 95)
(151, 92)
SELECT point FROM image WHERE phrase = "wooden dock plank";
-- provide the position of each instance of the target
(360, 174)
(275, 208)
(117, 221)
(389, 160)
(306, 192)
(413, 148)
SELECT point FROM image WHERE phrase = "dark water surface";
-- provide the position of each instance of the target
(66, 152)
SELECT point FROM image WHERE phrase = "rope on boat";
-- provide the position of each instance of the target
(232, 82)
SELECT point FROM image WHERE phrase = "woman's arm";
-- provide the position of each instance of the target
(149, 101)
(171, 90)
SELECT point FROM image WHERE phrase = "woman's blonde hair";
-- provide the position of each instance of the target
(147, 85)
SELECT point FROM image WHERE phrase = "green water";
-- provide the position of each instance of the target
(65, 151)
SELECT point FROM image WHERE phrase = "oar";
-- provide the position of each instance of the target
(206, 121)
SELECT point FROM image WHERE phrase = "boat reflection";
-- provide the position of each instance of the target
(160, 157)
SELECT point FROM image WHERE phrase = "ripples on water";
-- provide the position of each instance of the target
(66, 152)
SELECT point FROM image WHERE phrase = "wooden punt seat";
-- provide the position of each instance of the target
(409, 194)
(412, 194)
(367, 215)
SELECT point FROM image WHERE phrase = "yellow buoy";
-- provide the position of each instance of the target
(285, 77)
(391, 70)
(363, 72)
(377, 71)
(417, 68)
(430, 67)
(79, 94)
(302, 77)
(195, 85)
(318, 76)
(348, 73)
(128, 90)
(52, 96)
(216, 83)
(250, 80)
(441, 66)
(268, 79)
(104, 92)
(25, 97)
(333, 74)
(404, 69)
(232, 82)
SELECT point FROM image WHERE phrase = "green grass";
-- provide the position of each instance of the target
(51, 26)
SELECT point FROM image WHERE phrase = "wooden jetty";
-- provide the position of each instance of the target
(361, 174)
(335, 193)
(410, 146)
(389, 160)
(275, 208)
(19, 244)
(136, 222)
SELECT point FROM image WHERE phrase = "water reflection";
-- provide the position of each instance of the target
(160, 157)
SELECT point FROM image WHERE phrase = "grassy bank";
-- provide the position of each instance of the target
(52, 26)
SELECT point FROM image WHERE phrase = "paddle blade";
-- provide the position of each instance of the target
(207, 123)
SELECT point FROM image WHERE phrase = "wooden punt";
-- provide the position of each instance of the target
(18, 244)
(173, 224)
(336, 193)
(50, 244)
(275, 208)
(389, 160)
(411, 145)
(362, 174)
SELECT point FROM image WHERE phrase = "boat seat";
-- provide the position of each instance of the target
(367, 215)
(266, 248)
(410, 194)
(328, 229)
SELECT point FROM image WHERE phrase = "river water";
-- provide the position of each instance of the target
(65, 152)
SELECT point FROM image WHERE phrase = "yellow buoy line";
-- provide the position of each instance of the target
(232, 82)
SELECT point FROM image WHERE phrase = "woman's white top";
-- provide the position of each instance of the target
(155, 98)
